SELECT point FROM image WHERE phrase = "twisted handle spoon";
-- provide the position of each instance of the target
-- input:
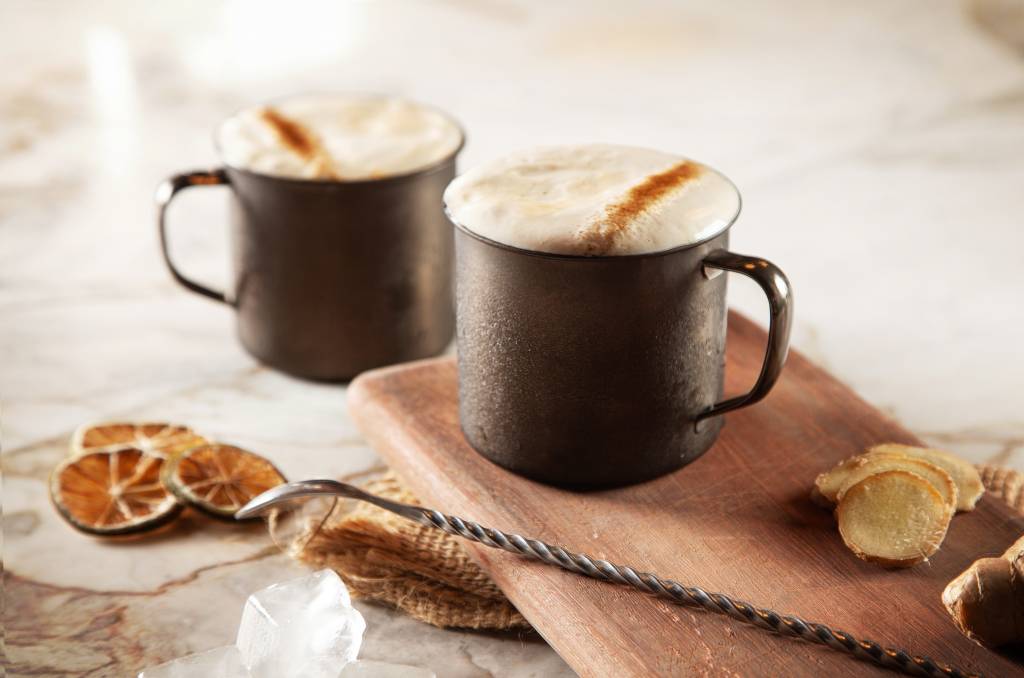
(869, 650)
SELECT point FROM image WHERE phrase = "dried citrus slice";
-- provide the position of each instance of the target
(112, 492)
(154, 438)
(219, 479)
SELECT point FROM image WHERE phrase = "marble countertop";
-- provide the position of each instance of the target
(878, 147)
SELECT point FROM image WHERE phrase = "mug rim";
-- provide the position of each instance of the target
(342, 182)
(600, 257)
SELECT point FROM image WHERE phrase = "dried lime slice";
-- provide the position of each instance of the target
(154, 438)
(114, 492)
(219, 479)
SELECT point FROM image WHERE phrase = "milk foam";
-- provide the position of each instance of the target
(593, 200)
(338, 137)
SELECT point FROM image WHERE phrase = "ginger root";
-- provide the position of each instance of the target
(986, 601)
(895, 518)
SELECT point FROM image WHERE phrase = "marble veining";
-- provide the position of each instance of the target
(877, 145)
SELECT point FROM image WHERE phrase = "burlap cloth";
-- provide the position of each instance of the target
(427, 574)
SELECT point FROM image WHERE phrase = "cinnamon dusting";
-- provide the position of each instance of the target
(638, 199)
(300, 140)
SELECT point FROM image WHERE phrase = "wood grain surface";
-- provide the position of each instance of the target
(737, 521)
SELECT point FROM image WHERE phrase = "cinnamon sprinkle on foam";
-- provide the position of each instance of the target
(291, 133)
(638, 199)
(299, 140)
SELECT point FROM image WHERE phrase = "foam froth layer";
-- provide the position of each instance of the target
(593, 200)
(338, 137)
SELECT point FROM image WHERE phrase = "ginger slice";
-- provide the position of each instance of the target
(986, 601)
(968, 481)
(894, 518)
(828, 484)
(935, 475)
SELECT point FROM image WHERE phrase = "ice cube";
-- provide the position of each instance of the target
(220, 662)
(303, 628)
(368, 669)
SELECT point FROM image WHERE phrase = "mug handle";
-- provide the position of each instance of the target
(780, 300)
(165, 192)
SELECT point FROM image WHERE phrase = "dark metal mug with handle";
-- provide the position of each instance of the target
(332, 278)
(601, 371)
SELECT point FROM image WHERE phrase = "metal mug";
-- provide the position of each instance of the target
(601, 371)
(333, 277)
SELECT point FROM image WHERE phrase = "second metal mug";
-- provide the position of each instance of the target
(601, 371)
(333, 277)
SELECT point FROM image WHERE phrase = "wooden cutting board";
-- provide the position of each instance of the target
(737, 521)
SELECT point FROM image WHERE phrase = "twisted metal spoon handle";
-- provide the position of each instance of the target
(691, 595)
(869, 650)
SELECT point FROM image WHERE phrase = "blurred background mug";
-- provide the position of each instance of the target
(342, 253)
